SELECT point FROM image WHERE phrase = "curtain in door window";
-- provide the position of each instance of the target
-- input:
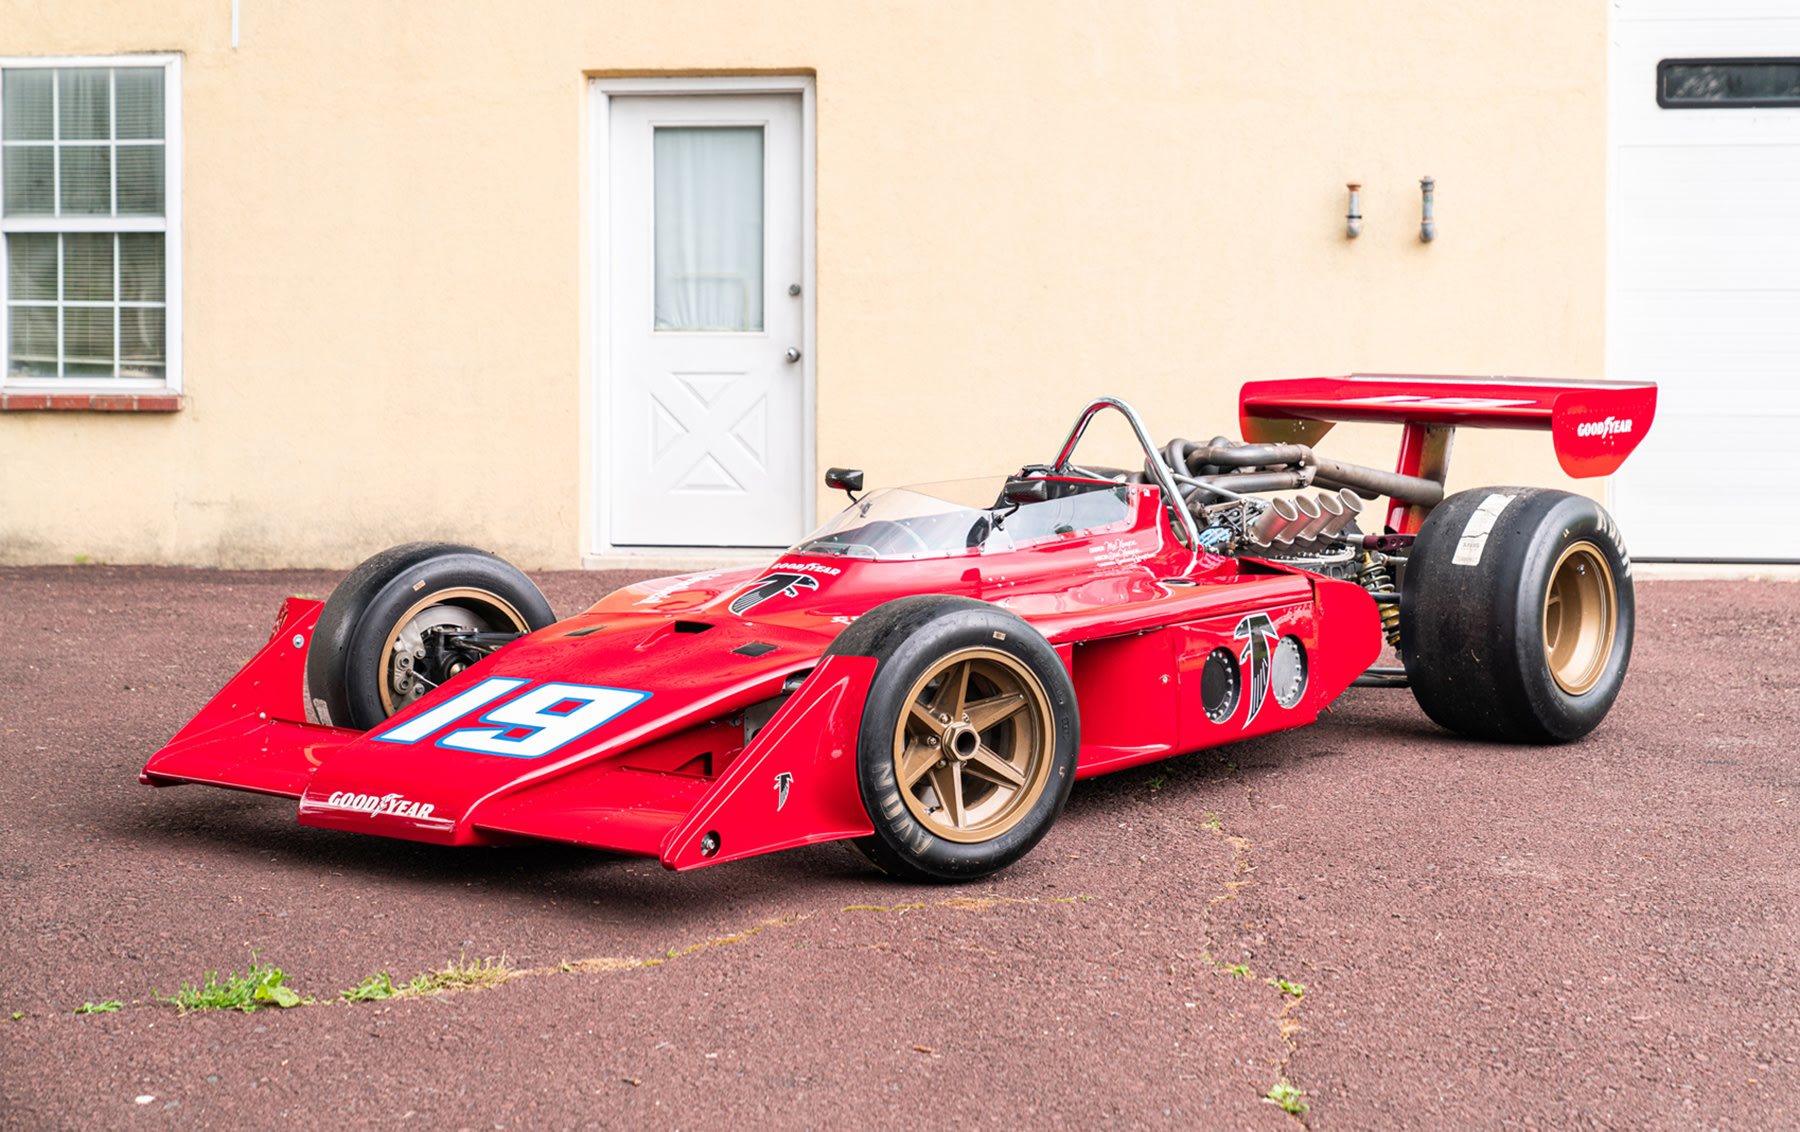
(709, 228)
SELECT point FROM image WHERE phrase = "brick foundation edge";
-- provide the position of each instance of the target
(91, 402)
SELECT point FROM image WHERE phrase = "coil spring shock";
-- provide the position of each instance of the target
(1372, 574)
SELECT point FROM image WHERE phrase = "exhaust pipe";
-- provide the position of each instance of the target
(1232, 455)
(1407, 489)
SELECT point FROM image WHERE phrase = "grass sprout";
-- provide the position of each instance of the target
(1289, 1099)
(372, 989)
(110, 1006)
(263, 986)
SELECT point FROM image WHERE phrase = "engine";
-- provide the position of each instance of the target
(1223, 483)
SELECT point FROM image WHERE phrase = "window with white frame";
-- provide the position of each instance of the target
(89, 213)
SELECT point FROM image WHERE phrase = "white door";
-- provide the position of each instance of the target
(1705, 274)
(707, 440)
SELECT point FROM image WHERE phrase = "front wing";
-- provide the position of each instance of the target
(794, 785)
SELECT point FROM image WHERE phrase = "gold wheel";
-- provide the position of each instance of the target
(1581, 618)
(973, 750)
(465, 608)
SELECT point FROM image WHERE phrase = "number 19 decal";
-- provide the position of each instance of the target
(527, 726)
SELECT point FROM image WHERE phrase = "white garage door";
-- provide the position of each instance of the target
(1705, 273)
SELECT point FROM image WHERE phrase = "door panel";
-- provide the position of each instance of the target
(707, 436)
(1705, 287)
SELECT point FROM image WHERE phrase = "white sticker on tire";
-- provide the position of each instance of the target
(1475, 532)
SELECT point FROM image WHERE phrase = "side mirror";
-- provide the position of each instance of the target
(847, 480)
(1021, 491)
(844, 479)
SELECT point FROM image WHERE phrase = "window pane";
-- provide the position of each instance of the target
(85, 100)
(25, 104)
(1728, 82)
(709, 228)
(88, 267)
(31, 266)
(28, 173)
(141, 267)
(33, 339)
(86, 179)
(139, 94)
(140, 180)
(140, 340)
(87, 341)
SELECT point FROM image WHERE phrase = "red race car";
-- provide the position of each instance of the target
(930, 671)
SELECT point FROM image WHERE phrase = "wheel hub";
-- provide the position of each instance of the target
(1581, 618)
(960, 741)
(972, 751)
(403, 680)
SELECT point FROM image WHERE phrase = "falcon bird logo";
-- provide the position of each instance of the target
(1260, 631)
(782, 782)
(787, 585)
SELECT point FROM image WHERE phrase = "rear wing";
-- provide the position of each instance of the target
(1593, 425)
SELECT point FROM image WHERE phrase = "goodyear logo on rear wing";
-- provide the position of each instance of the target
(528, 726)
(1611, 426)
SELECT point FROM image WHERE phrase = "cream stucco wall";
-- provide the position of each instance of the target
(1020, 204)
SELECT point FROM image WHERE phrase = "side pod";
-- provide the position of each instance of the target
(796, 788)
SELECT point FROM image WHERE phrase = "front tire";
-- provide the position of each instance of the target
(967, 748)
(1516, 615)
(358, 670)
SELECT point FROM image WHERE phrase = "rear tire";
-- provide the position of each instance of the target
(356, 668)
(1522, 634)
(966, 753)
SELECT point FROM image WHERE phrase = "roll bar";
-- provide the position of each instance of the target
(1153, 459)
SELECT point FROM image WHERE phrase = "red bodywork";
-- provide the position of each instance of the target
(669, 774)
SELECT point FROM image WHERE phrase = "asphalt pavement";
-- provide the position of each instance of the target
(1407, 929)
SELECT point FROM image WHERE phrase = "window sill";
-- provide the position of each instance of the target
(91, 402)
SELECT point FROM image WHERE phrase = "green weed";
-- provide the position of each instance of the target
(110, 1006)
(1285, 987)
(1288, 1098)
(372, 989)
(1212, 821)
(1241, 970)
(263, 986)
(1157, 783)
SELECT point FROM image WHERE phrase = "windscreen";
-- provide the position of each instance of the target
(967, 517)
